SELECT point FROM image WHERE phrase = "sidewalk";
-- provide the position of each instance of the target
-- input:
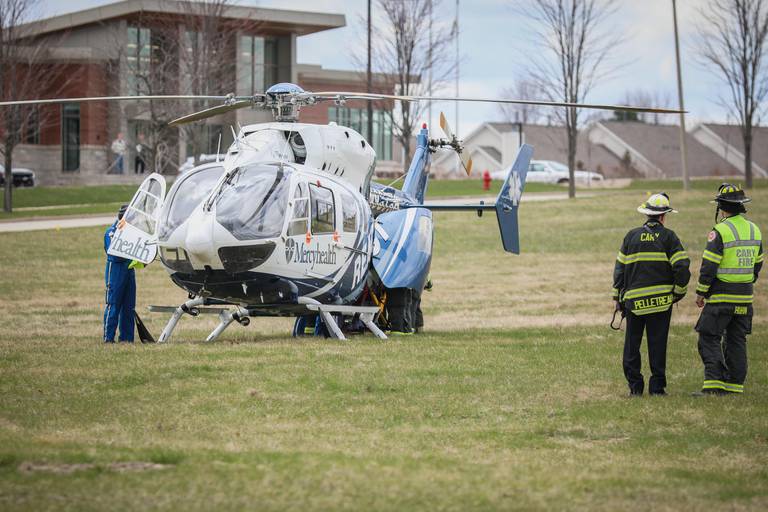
(15, 226)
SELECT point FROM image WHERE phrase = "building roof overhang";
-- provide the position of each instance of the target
(298, 22)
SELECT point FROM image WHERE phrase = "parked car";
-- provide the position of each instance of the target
(549, 171)
(21, 177)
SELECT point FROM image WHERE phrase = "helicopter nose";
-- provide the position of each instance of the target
(199, 240)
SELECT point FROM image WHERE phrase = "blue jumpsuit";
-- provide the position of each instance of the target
(121, 294)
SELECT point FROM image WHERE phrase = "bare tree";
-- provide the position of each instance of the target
(576, 46)
(523, 89)
(191, 54)
(207, 58)
(26, 72)
(402, 52)
(732, 40)
(148, 64)
(644, 98)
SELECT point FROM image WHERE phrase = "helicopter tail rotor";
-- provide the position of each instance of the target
(454, 143)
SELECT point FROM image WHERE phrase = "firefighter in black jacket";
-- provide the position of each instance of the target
(730, 265)
(651, 274)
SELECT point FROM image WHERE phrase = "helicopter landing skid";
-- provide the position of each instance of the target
(192, 308)
(366, 315)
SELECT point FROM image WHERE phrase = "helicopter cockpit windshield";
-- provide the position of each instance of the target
(251, 203)
(187, 193)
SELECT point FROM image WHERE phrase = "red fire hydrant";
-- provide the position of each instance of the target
(486, 180)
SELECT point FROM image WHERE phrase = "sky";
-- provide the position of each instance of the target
(496, 44)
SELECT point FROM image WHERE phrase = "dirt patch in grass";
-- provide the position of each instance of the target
(67, 469)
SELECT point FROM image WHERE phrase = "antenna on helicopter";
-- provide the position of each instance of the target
(237, 140)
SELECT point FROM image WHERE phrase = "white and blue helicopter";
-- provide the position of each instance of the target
(290, 223)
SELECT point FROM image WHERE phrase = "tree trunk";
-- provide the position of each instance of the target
(406, 153)
(8, 192)
(748, 157)
(572, 138)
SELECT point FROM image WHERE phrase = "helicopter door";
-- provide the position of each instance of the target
(299, 222)
(136, 235)
(319, 251)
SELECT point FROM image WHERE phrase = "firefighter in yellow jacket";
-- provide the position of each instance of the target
(730, 265)
(651, 274)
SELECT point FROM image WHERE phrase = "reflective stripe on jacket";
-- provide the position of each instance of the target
(731, 262)
(651, 269)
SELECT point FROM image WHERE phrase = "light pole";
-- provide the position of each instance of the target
(457, 64)
(431, 63)
(683, 148)
(369, 80)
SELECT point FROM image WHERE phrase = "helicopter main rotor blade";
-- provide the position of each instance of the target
(595, 106)
(211, 112)
(110, 98)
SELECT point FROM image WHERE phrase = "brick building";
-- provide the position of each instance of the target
(112, 50)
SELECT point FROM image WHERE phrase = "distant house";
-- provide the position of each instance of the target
(614, 148)
(654, 149)
(727, 142)
(493, 146)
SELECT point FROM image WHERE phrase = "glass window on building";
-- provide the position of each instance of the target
(209, 140)
(354, 119)
(386, 143)
(277, 60)
(357, 119)
(70, 136)
(250, 69)
(138, 57)
(32, 126)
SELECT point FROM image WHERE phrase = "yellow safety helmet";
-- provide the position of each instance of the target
(657, 204)
(728, 193)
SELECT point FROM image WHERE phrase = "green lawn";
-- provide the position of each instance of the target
(514, 398)
(58, 196)
(473, 187)
(708, 184)
(61, 201)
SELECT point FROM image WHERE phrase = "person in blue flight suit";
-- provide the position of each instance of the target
(120, 280)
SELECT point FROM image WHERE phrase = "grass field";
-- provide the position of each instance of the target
(514, 398)
(57, 201)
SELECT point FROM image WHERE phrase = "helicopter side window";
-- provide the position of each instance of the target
(349, 209)
(323, 211)
(300, 222)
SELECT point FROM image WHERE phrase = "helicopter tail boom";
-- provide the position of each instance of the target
(506, 203)
(415, 184)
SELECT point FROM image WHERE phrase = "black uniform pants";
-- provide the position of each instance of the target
(656, 325)
(724, 357)
(139, 165)
(400, 309)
